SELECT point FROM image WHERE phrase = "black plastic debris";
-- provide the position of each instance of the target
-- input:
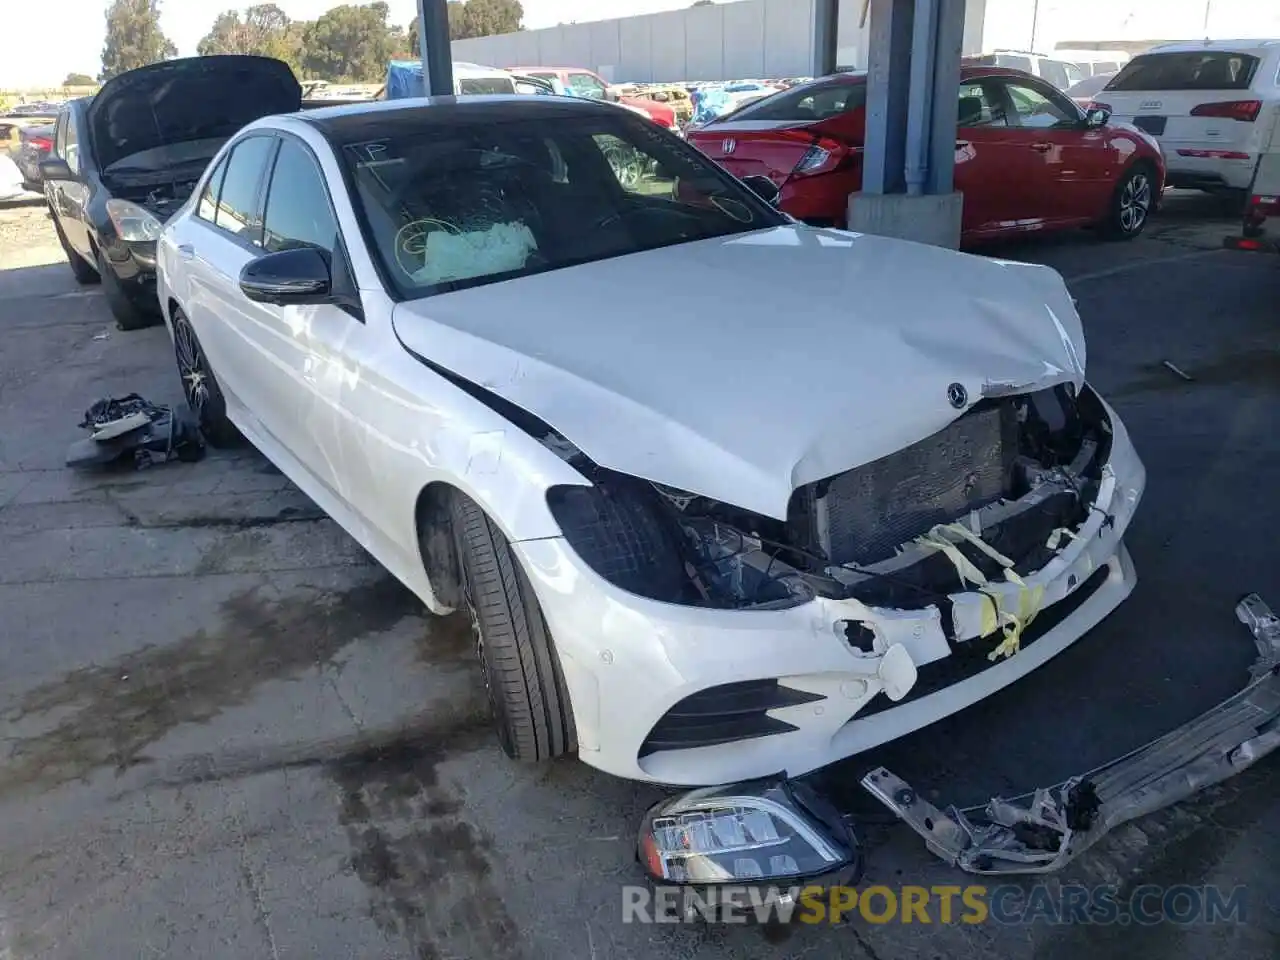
(132, 429)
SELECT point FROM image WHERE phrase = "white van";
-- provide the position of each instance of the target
(1056, 70)
(1094, 62)
(1212, 105)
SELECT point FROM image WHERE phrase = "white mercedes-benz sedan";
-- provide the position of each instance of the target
(724, 495)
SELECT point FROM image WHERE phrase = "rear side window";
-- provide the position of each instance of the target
(807, 104)
(207, 208)
(1197, 70)
(238, 203)
(298, 212)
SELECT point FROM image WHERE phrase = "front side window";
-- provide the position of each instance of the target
(1055, 71)
(1035, 108)
(238, 203)
(445, 208)
(298, 213)
(980, 106)
(207, 208)
(1201, 70)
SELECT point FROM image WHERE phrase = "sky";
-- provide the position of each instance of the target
(80, 28)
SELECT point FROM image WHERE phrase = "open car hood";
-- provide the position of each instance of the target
(743, 367)
(195, 98)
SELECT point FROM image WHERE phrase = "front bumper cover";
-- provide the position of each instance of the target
(1061, 822)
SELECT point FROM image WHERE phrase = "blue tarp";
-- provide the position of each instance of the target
(404, 79)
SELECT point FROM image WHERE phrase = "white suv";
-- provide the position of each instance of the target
(1211, 104)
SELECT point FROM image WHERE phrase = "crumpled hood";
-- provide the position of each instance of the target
(195, 98)
(742, 368)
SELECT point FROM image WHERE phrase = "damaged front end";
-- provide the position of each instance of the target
(992, 497)
(1056, 824)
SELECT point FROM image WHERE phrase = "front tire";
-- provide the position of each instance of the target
(200, 386)
(522, 671)
(127, 313)
(1131, 204)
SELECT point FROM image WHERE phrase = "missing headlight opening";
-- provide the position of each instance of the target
(994, 495)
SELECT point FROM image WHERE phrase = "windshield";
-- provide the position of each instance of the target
(449, 207)
(1208, 70)
(486, 85)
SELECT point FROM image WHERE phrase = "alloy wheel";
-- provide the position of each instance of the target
(1135, 202)
(192, 368)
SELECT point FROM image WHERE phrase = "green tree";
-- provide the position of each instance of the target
(264, 30)
(702, 3)
(78, 80)
(485, 18)
(134, 38)
(455, 9)
(350, 43)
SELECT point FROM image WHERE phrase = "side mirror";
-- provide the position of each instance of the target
(1097, 117)
(55, 168)
(297, 276)
(764, 188)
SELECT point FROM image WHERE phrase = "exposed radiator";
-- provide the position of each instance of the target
(868, 511)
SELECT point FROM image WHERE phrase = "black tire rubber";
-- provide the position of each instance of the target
(129, 316)
(210, 407)
(82, 271)
(1114, 226)
(522, 670)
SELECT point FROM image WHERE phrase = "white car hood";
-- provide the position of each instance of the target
(742, 368)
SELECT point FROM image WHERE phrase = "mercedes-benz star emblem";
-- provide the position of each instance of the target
(958, 395)
(728, 145)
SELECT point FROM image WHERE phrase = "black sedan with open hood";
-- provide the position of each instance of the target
(125, 159)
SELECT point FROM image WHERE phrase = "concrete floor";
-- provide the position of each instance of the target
(227, 733)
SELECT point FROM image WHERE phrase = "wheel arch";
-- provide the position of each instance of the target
(437, 549)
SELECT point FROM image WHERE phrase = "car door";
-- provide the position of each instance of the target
(309, 345)
(69, 197)
(1074, 167)
(991, 166)
(216, 243)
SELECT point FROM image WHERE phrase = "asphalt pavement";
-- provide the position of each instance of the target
(225, 732)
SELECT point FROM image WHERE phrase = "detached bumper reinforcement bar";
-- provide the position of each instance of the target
(1059, 823)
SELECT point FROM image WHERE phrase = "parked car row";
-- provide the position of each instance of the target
(1027, 157)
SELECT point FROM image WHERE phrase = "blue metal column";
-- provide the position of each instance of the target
(888, 80)
(433, 42)
(949, 44)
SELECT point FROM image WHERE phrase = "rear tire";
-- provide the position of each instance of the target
(522, 671)
(200, 386)
(129, 316)
(82, 271)
(1131, 204)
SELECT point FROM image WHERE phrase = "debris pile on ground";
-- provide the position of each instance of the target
(132, 428)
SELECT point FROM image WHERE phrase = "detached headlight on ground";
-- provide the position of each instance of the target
(132, 222)
(759, 831)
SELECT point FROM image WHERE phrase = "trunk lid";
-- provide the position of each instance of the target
(177, 101)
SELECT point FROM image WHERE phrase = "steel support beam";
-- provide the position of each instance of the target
(888, 82)
(433, 44)
(949, 43)
(826, 30)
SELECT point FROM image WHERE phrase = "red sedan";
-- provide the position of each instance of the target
(1027, 158)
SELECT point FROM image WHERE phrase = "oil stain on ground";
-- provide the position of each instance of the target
(107, 715)
(428, 871)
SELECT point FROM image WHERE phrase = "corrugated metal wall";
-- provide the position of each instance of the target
(725, 41)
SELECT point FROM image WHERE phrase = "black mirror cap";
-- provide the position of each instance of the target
(297, 276)
(764, 188)
(55, 168)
